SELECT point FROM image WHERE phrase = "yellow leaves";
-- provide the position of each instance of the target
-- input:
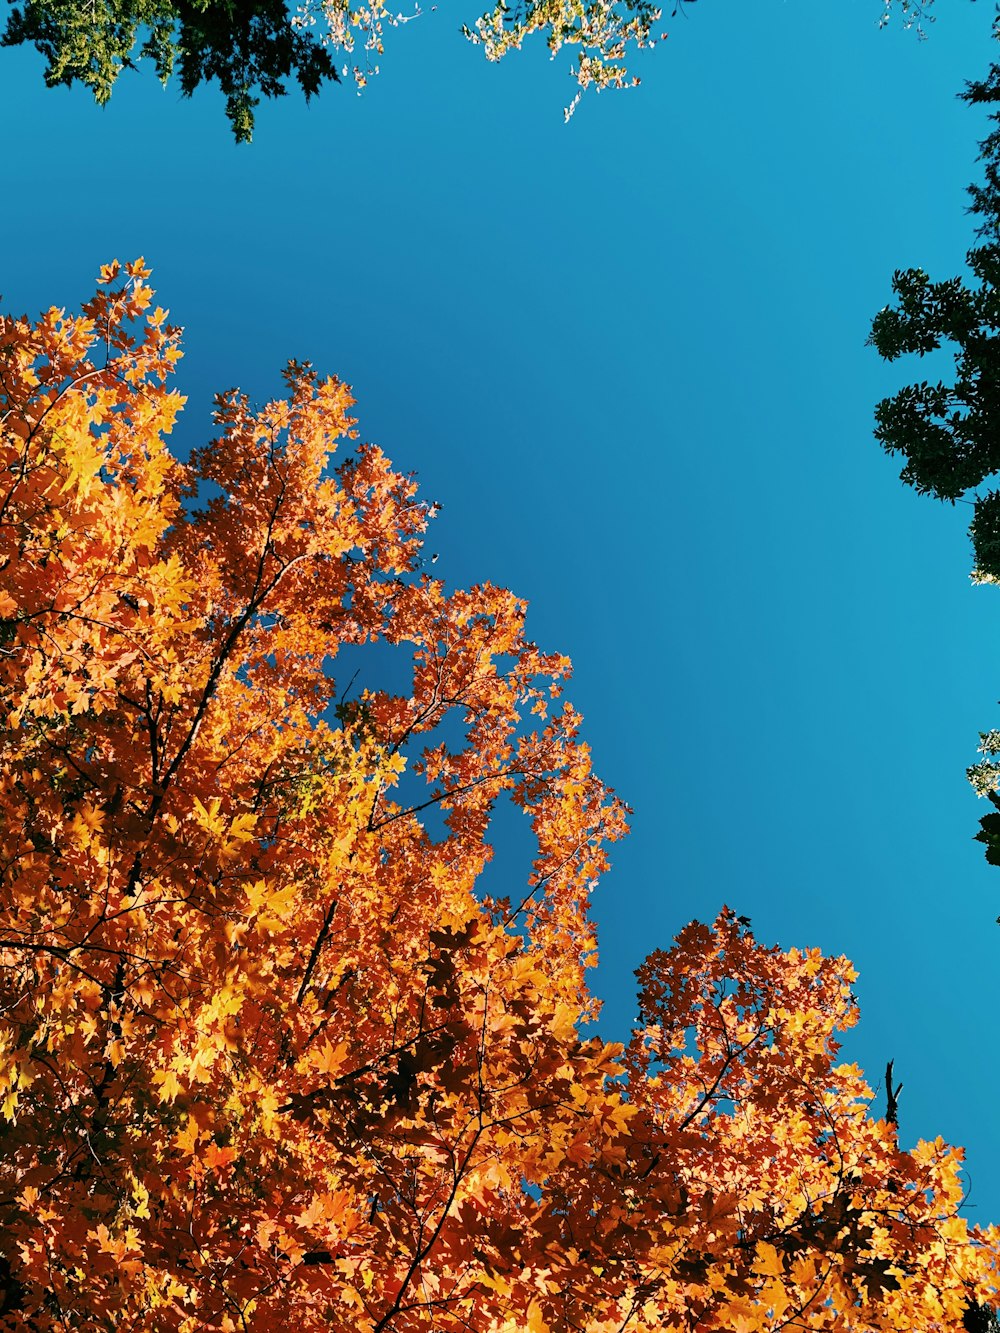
(564, 1021)
(187, 1138)
(313, 1215)
(929, 1151)
(495, 1282)
(241, 828)
(953, 1232)
(619, 1116)
(209, 817)
(803, 1272)
(235, 932)
(536, 1321)
(119, 1246)
(256, 896)
(331, 1213)
(775, 1298)
(140, 1199)
(350, 1295)
(168, 1084)
(83, 460)
(170, 588)
(87, 825)
(273, 905)
(768, 1262)
(16, 1074)
(136, 270)
(228, 833)
(329, 1060)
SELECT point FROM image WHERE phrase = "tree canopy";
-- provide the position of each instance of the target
(947, 430)
(250, 47)
(275, 1055)
(253, 48)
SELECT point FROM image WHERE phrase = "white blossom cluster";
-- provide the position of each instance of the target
(985, 775)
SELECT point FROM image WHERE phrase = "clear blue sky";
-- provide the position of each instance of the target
(628, 357)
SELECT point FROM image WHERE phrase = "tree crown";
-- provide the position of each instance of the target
(272, 1057)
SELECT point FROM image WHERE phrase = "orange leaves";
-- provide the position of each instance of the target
(228, 834)
(810, 1205)
(536, 1322)
(769, 1262)
(328, 1060)
(117, 1246)
(167, 1083)
(218, 1159)
(269, 1057)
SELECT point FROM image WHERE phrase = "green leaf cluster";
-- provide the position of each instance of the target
(949, 431)
(251, 48)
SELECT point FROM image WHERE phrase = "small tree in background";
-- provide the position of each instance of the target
(949, 432)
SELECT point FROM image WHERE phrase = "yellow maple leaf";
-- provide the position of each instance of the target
(168, 1083)
(768, 1262)
(537, 1322)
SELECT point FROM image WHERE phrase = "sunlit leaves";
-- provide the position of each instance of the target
(254, 50)
(269, 1055)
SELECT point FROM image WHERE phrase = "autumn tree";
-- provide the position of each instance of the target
(253, 48)
(271, 1055)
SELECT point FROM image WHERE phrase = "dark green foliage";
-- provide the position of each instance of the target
(249, 47)
(949, 433)
(980, 1319)
(989, 833)
(985, 531)
(94, 41)
(986, 197)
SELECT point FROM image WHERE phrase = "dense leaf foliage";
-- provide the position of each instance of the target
(253, 47)
(272, 1055)
(947, 432)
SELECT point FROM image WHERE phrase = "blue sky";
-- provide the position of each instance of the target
(627, 356)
